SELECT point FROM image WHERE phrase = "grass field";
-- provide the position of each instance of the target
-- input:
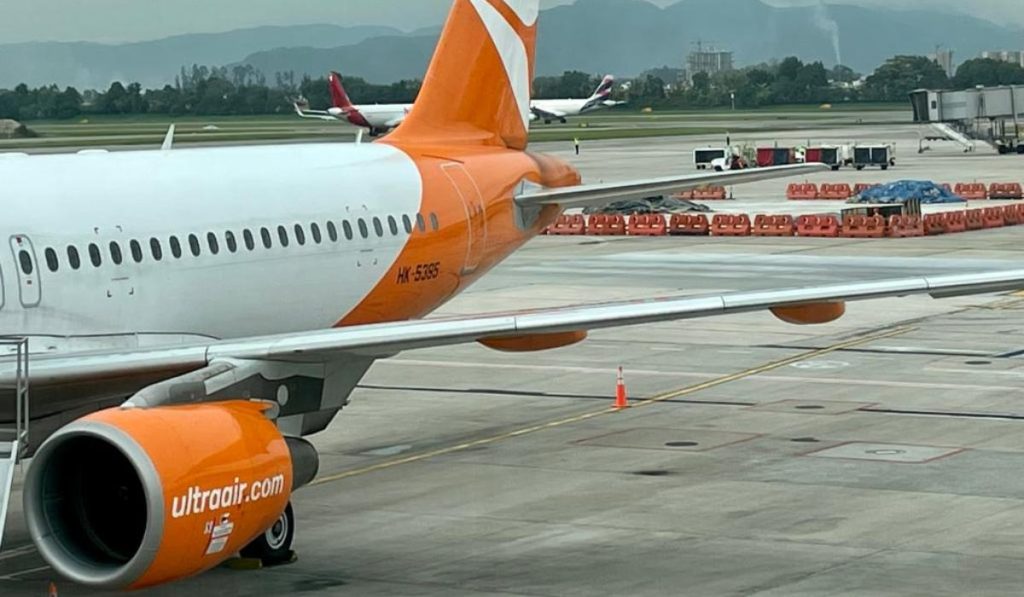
(149, 130)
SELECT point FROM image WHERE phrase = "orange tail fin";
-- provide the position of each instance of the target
(477, 89)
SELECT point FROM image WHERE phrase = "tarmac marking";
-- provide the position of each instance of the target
(667, 396)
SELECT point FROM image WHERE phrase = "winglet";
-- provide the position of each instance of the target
(477, 89)
(168, 139)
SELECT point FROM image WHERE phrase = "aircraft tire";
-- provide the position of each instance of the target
(274, 546)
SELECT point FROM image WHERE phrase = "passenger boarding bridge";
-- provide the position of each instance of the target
(988, 114)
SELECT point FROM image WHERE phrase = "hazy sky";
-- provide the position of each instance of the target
(131, 20)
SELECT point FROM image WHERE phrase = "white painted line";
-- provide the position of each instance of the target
(10, 554)
(15, 575)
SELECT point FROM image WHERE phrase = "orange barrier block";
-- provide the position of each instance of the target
(802, 191)
(836, 192)
(711, 193)
(956, 221)
(1012, 215)
(993, 217)
(647, 225)
(860, 187)
(567, 225)
(731, 225)
(935, 224)
(607, 225)
(863, 227)
(972, 191)
(1012, 190)
(817, 226)
(684, 195)
(905, 226)
(689, 225)
(975, 219)
(773, 226)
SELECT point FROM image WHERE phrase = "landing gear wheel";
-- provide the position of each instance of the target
(274, 546)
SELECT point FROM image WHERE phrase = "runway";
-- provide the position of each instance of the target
(873, 456)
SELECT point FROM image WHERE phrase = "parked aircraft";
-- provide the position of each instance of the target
(377, 118)
(192, 314)
(551, 110)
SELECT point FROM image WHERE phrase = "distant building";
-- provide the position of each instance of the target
(708, 60)
(1014, 56)
(944, 58)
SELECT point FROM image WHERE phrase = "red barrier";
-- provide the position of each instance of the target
(993, 217)
(647, 225)
(689, 225)
(860, 187)
(935, 224)
(836, 192)
(607, 225)
(684, 195)
(567, 225)
(730, 225)
(802, 191)
(905, 226)
(956, 221)
(972, 191)
(1012, 190)
(711, 193)
(1011, 215)
(975, 219)
(773, 226)
(863, 227)
(817, 226)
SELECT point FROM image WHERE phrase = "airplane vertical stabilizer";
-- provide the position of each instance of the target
(477, 89)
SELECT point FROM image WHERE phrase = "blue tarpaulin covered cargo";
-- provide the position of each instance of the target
(902, 190)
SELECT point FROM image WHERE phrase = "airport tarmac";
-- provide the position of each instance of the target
(873, 456)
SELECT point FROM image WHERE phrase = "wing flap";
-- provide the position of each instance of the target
(603, 194)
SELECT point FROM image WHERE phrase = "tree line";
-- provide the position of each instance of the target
(242, 90)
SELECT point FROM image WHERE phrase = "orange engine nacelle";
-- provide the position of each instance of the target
(534, 342)
(130, 498)
(812, 314)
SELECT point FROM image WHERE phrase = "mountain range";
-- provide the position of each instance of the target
(624, 37)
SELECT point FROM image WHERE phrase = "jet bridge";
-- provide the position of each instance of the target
(989, 114)
(14, 434)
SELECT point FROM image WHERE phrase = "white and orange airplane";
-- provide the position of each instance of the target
(192, 314)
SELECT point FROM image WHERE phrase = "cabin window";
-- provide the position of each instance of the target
(250, 243)
(229, 239)
(434, 223)
(332, 232)
(421, 224)
(364, 231)
(136, 250)
(378, 227)
(156, 249)
(26, 262)
(193, 244)
(94, 255)
(73, 258)
(267, 240)
(282, 233)
(393, 225)
(211, 239)
(300, 235)
(347, 227)
(51, 260)
(115, 253)
(314, 229)
(175, 247)
(407, 223)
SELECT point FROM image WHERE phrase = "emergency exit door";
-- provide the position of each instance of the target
(27, 271)
(476, 214)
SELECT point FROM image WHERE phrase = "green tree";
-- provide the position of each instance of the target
(988, 72)
(902, 74)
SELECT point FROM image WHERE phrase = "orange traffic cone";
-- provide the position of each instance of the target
(621, 399)
(53, 590)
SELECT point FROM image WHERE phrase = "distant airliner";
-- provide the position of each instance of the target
(381, 118)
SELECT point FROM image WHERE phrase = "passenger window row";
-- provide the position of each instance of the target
(284, 237)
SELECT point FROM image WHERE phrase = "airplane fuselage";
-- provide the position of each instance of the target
(146, 247)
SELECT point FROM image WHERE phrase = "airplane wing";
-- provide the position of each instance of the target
(603, 194)
(388, 339)
(540, 112)
(314, 114)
